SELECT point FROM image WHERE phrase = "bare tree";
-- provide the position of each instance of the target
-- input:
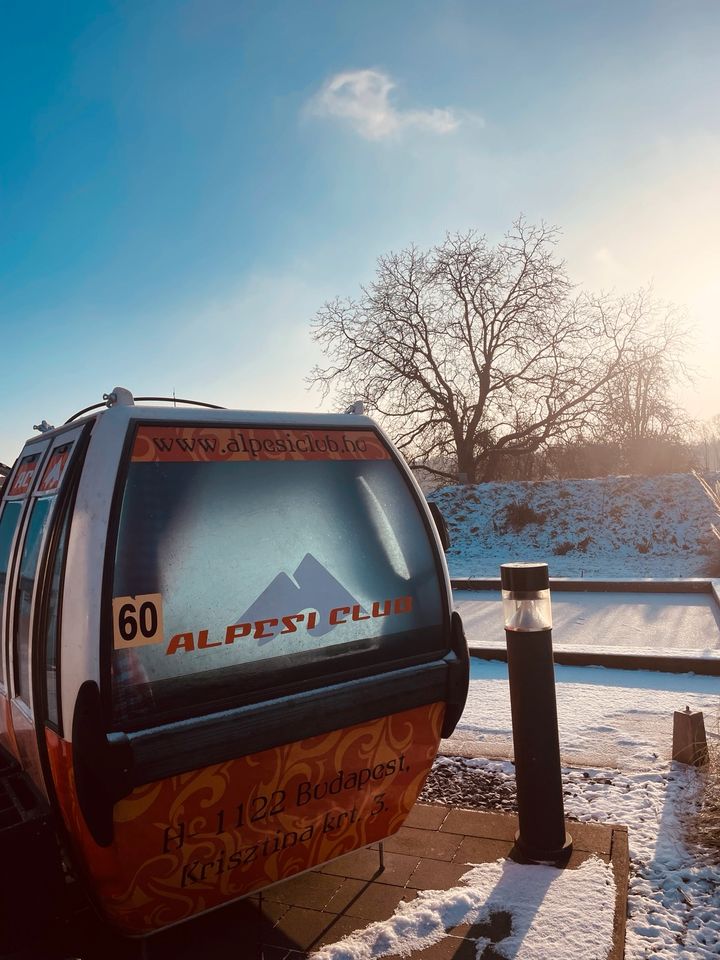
(713, 493)
(469, 353)
(709, 442)
(637, 403)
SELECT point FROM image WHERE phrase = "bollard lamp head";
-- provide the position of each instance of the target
(526, 597)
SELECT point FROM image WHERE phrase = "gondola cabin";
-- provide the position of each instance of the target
(228, 652)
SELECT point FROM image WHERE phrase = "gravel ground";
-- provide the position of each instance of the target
(467, 783)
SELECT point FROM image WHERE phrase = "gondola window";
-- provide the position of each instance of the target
(234, 577)
(8, 524)
(51, 624)
(28, 572)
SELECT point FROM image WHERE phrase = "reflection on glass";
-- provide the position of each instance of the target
(51, 635)
(28, 572)
(8, 523)
(257, 561)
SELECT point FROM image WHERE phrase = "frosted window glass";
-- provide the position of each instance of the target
(255, 561)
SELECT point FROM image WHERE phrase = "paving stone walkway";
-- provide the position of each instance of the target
(432, 851)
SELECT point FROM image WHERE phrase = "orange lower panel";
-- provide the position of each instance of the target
(192, 842)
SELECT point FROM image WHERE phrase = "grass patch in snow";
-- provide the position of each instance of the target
(708, 819)
(519, 515)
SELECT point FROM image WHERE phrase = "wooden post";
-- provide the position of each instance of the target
(689, 740)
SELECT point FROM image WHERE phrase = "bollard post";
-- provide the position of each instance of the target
(541, 837)
(689, 738)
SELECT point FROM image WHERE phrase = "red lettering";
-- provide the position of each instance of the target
(236, 631)
(403, 604)
(335, 615)
(386, 608)
(22, 481)
(181, 641)
(260, 628)
(356, 615)
(203, 641)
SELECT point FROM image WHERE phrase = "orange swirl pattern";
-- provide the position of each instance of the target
(182, 444)
(194, 841)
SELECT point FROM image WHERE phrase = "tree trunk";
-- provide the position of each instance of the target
(491, 466)
(467, 468)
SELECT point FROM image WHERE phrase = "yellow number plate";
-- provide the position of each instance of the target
(137, 621)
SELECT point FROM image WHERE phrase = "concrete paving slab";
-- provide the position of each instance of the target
(374, 901)
(292, 919)
(365, 894)
(476, 823)
(365, 865)
(427, 816)
(431, 844)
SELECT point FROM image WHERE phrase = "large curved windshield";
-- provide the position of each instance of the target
(249, 559)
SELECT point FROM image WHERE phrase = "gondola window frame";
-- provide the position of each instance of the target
(35, 449)
(29, 570)
(48, 645)
(6, 558)
(287, 686)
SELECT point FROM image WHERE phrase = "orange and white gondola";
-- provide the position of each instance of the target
(228, 650)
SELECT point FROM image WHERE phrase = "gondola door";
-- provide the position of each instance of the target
(25, 601)
(12, 512)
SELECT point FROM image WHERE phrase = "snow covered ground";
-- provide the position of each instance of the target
(612, 718)
(606, 527)
(549, 914)
(616, 731)
(615, 726)
(674, 888)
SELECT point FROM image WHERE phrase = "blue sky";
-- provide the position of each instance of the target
(182, 184)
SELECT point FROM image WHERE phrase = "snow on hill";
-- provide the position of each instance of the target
(609, 527)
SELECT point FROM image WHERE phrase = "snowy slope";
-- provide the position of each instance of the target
(606, 527)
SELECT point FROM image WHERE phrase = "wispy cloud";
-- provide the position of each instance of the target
(362, 99)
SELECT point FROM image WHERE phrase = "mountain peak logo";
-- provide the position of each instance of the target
(312, 598)
(311, 587)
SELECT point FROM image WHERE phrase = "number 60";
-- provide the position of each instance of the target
(137, 620)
